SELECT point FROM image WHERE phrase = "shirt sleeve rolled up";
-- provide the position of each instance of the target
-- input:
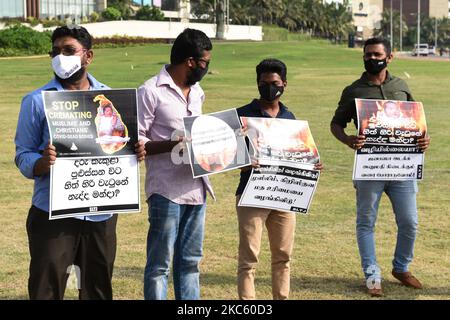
(146, 116)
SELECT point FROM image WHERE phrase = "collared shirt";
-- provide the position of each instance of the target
(32, 136)
(392, 88)
(162, 107)
(254, 109)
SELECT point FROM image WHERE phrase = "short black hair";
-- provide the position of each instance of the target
(384, 42)
(77, 32)
(189, 43)
(271, 66)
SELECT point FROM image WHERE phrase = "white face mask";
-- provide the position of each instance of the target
(66, 66)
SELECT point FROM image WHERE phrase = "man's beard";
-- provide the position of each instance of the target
(72, 79)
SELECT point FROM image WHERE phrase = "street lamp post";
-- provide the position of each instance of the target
(418, 27)
(401, 25)
(392, 38)
(435, 32)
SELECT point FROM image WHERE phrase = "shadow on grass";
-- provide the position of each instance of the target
(342, 288)
(309, 287)
(135, 273)
(19, 297)
(355, 288)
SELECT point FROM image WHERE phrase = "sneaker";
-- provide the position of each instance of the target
(374, 288)
(407, 279)
(375, 292)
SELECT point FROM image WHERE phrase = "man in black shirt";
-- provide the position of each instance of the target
(271, 80)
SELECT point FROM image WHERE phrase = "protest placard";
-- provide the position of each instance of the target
(215, 143)
(390, 151)
(96, 170)
(286, 152)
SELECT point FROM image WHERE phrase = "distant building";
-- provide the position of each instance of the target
(366, 17)
(45, 9)
(367, 13)
(430, 8)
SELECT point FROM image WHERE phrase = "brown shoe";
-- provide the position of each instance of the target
(407, 279)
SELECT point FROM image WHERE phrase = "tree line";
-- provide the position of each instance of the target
(316, 17)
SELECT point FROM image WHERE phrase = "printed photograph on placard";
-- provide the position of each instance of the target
(391, 129)
(273, 139)
(391, 122)
(215, 143)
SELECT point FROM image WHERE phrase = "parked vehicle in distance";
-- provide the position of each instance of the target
(432, 50)
(423, 50)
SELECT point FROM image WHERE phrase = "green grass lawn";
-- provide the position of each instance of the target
(325, 261)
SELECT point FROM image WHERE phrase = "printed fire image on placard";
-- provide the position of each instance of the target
(285, 179)
(215, 143)
(391, 129)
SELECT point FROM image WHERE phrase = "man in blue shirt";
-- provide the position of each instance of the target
(89, 243)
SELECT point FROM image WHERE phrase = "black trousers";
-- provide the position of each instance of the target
(57, 244)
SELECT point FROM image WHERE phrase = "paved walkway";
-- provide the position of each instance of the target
(408, 56)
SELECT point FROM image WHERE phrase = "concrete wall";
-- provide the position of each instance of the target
(168, 30)
(162, 29)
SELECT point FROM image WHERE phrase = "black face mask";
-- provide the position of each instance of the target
(270, 92)
(196, 75)
(374, 66)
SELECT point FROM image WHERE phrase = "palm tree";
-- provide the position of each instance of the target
(240, 14)
(341, 21)
(293, 15)
(203, 9)
(267, 11)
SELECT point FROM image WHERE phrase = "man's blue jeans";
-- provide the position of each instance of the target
(175, 231)
(403, 198)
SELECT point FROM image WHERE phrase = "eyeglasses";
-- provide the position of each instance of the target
(201, 59)
(67, 51)
(205, 61)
